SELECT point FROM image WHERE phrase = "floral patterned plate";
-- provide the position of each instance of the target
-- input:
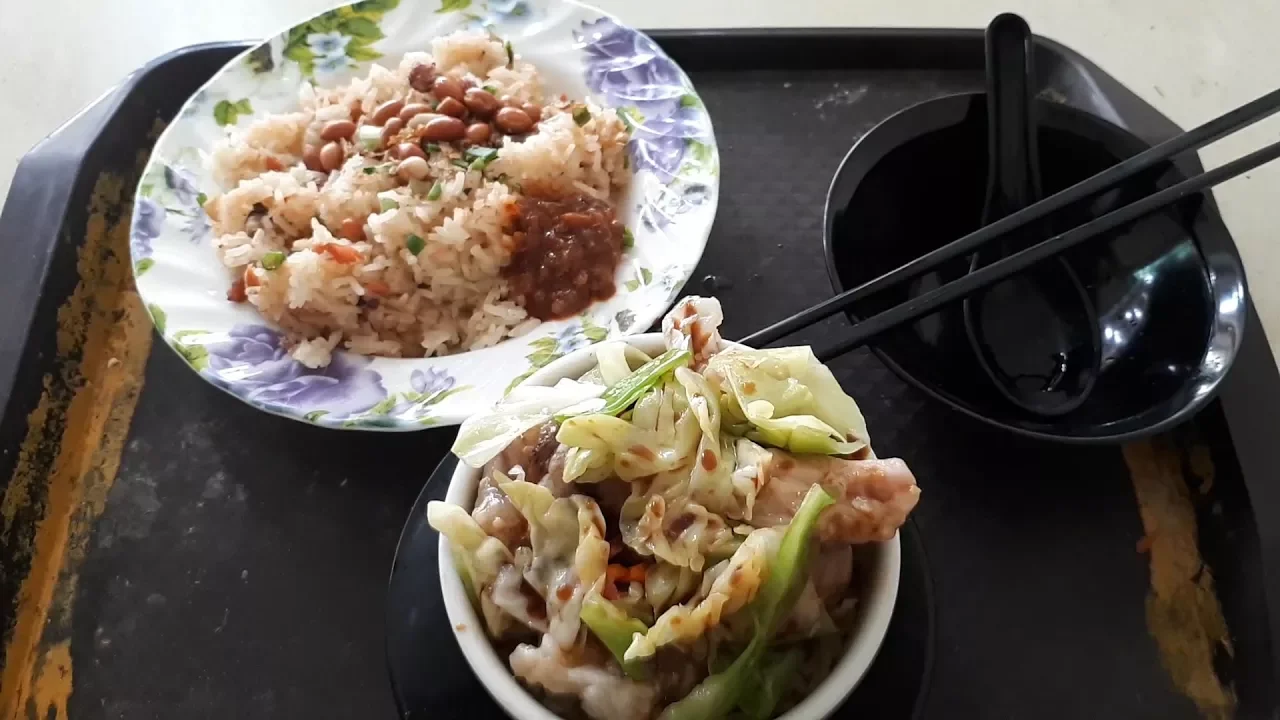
(580, 51)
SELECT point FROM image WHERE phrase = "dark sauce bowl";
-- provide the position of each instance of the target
(1169, 289)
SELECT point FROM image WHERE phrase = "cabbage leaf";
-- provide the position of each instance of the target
(484, 435)
(789, 399)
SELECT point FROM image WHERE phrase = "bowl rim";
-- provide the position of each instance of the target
(1222, 262)
(497, 679)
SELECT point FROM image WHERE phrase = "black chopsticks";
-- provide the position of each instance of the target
(915, 307)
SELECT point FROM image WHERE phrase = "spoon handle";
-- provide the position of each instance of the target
(1013, 175)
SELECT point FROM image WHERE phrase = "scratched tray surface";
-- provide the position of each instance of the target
(238, 565)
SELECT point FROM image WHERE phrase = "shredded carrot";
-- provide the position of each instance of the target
(236, 293)
(342, 253)
(273, 164)
(610, 591)
(251, 277)
(616, 573)
(376, 287)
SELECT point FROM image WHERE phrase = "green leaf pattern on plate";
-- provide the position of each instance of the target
(228, 113)
(196, 354)
(643, 277)
(549, 349)
(337, 39)
(702, 160)
(157, 315)
(448, 6)
(260, 60)
(410, 405)
(631, 117)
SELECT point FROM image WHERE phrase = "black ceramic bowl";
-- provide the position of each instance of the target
(1169, 289)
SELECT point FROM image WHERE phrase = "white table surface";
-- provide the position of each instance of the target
(1191, 59)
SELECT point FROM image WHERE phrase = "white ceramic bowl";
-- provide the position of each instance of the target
(494, 673)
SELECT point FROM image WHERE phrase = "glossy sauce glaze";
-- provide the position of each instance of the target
(566, 254)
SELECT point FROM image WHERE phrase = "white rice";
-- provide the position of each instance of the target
(450, 296)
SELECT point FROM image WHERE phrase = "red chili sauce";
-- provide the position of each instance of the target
(566, 254)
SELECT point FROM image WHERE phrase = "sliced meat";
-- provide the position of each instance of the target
(831, 572)
(605, 694)
(553, 479)
(531, 452)
(543, 449)
(498, 516)
(511, 594)
(675, 673)
(873, 497)
(808, 616)
(609, 495)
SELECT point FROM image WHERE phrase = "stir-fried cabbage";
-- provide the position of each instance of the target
(734, 585)
(667, 584)
(749, 473)
(615, 361)
(484, 435)
(663, 522)
(506, 600)
(661, 434)
(694, 325)
(716, 696)
(603, 693)
(478, 556)
(715, 472)
(790, 399)
(710, 481)
(570, 553)
(665, 413)
(633, 452)
(615, 628)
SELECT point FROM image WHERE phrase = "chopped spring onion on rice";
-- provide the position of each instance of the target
(273, 260)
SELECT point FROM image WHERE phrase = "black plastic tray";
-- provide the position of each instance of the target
(237, 565)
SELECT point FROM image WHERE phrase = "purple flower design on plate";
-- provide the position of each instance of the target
(186, 193)
(148, 218)
(569, 339)
(662, 204)
(629, 70)
(432, 381)
(429, 387)
(253, 364)
(197, 226)
(182, 184)
(659, 144)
